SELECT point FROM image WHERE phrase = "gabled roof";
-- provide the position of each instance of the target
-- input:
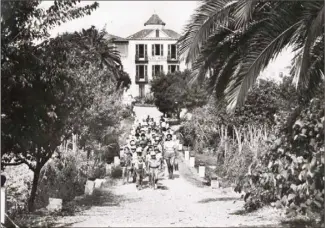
(145, 32)
(154, 20)
(114, 38)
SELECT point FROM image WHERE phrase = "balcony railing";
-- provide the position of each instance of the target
(172, 58)
(139, 80)
(142, 58)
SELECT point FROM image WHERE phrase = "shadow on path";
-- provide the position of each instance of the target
(209, 200)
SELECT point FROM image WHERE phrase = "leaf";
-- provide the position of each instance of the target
(319, 205)
(291, 196)
(293, 187)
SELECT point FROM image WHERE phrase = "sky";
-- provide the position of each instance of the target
(124, 18)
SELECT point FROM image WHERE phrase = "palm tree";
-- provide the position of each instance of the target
(235, 40)
(96, 46)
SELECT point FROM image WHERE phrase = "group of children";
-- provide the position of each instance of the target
(149, 149)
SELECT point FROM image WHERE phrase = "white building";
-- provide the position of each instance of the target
(147, 53)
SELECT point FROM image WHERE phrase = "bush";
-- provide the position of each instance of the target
(291, 174)
(60, 179)
(116, 172)
(98, 171)
(148, 99)
(18, 185)
(127, 112)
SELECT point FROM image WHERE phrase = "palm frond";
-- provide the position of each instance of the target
(208, 17)
(316, 29)
(262, 50)
(243, 12)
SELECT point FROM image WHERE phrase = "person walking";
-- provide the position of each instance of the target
(169, 154)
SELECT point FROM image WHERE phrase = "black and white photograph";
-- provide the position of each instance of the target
(206, 113)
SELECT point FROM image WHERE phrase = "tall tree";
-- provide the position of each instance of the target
(239, 38)
(172, 93)
(47, 88)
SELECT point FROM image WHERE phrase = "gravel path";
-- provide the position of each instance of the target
(176, 203)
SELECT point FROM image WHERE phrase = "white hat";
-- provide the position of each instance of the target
(139, 149)
(152, 153)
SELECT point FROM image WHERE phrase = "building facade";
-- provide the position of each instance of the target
(147, 53)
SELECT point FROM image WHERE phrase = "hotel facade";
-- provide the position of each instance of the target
(147, 53)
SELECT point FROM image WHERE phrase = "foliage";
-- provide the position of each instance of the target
(147, 99)
(49, 88)
(18, 188)
(235, 41)
(263, 102)
(60, 179)
(291, 174)
(172, 93)
(116, 172)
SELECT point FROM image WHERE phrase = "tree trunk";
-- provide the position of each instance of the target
(32, 197)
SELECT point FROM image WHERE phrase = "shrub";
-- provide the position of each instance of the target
(18, 187)
(116, 172)
(291, 174)
(97, 171)
(127, 112)
(60, 179)
(149, 99)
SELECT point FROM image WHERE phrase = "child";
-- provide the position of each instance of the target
(154, 164)
(139, 169)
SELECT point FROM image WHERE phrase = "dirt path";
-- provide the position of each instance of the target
(176, 203)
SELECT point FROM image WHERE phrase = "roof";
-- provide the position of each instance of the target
(154, 20)
(139, 35)
(114, 38)
(145, 32)
(171, 33)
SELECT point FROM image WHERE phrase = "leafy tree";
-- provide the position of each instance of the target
(48, 88)
(236, 40)
(172, 93)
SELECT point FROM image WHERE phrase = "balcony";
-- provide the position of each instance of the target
(172, 59)
(141, 59)
(139, 80)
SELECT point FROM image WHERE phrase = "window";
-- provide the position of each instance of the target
(157, 50)
(157, 69)
(157, 33)
(141, 71)
(173, 68)
(141, 90)
(172, 51)
(141, 50)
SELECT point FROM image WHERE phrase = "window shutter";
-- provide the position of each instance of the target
(169, 50)
(137, 50)
(145, 51)
(169, 68)
(176, 51)
(146, 70)
(161, 69)
(161, 50)
(153, 70)
(153, 50)
(137, 74)
(177, 67)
